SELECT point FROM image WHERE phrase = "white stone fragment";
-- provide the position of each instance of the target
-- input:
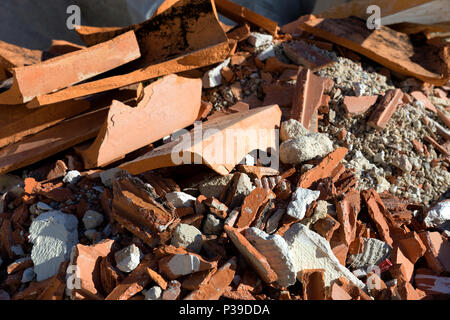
(188, 237)
(128, 258)
(243, 189)
(183, 264)
(109, 176)
(267, 53)
(439, 216)
(28, 275)
(374, 252)
(154, 293)
(301, 199)
(213, 77)
(258, 39)
(72, 176)
(214, 187)
(312, 251)
(41, 206)
(277, 253)
(308, 147)
(92, 219)
(212, 225)
(180, 199)
(292, 129)
(53, 234)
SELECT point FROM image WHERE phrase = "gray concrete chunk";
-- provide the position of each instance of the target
(53, 234)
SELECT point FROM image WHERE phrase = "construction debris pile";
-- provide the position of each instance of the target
(345, 196)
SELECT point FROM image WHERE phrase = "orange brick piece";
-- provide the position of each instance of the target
(70, 69)
(358, 105)
(385, 109)
(323, 170)
(313, 284)
(304, 54)
(253, 256)
(212, 151)
(390, 48)
(87, 261)
(307, 97)
(12, 56)
(128, 129)
(51, 141)
(217, 284)
(243, 15)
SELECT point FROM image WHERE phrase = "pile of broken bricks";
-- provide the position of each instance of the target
(93, 205)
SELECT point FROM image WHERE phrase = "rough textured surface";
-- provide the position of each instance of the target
(311, 251)
(292, 129)
(212, 225)
(92, 219)
(154, 293)
(314, 145)
(109, 176)
(439, 216)
(374, 252)
(301, 199)
(72, 176)
(188, 237)
(128, 258)
(277, 253)
(213, 77)
(214, 187)
(180, 199)
(53, 234)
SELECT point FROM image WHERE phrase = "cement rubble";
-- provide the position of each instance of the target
(53, 234)
(187, 236)
(311, 251)
(301, 199)
(128, 258)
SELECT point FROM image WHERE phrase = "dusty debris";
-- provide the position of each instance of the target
(344, 201)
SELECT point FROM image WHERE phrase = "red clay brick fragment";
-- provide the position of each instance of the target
(243, 15)
(313, 284)
(358, 105)
(211, 151)
(419, 96)
(253, 256)
(307, 97)
(383, 112)
(87, 261)
(251, 205)
(303, 54)
(438, 251)
(216, 285)
(323, 169)
(130, 128)
(71, 68)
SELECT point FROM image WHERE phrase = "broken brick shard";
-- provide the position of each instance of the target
(243, 15)
(51, 141)
(12, 56)
(71, 68)
(216, 285)
(189, 61)
(134, 283)
(253, 256)
(385, 109)
(358, 105)
(21, 121)
(386, 46)
(135, 208)
(86, 260)
(313, 284)
(303, 54)
(251, 205)
(220, 145)
(307, 97)
(168, 105)
(323, 170)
